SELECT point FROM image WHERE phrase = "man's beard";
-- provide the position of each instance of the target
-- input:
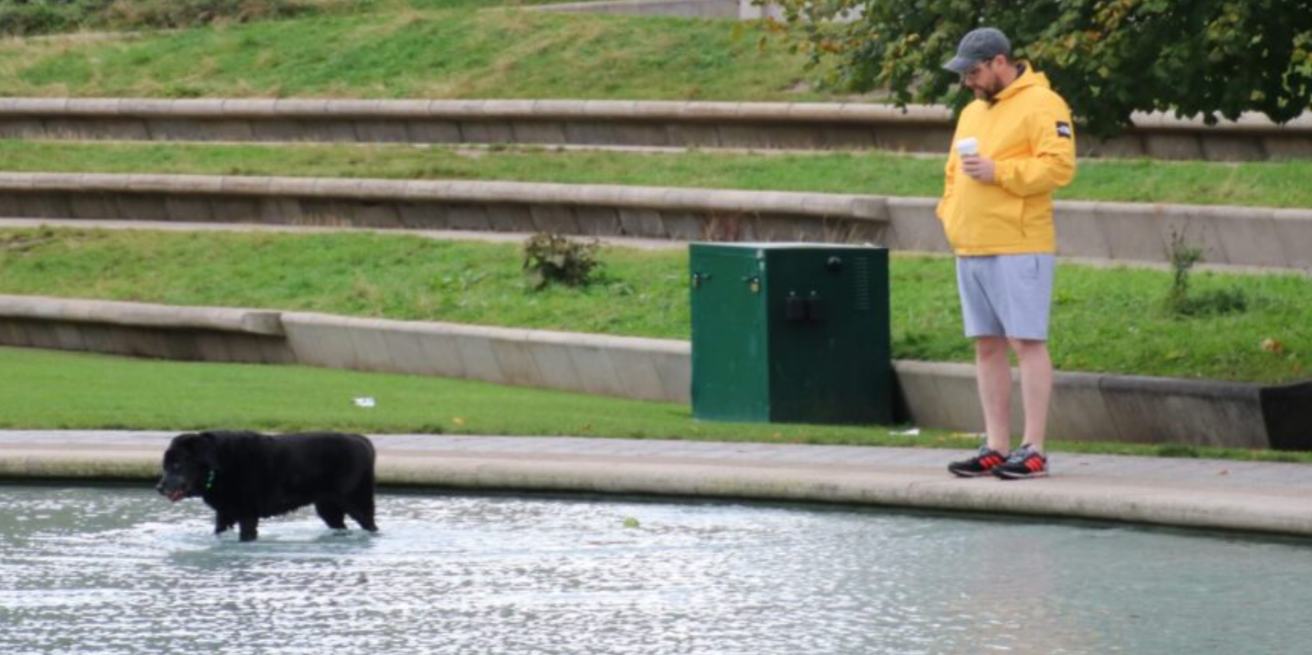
(989, 94)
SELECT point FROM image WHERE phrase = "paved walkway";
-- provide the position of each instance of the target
(1217, 494)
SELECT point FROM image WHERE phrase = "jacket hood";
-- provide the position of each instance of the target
(1027, 79)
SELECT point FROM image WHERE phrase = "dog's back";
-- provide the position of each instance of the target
(317, 466)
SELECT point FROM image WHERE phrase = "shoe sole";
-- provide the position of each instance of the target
(971, 474)
(1020, 476)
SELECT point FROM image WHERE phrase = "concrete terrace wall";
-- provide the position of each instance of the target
(145, 330)
(933, 395)
(669, 213)
(1236, 236)
(1139, 232)
(1087, 406)
(605, 123)
(623, 367)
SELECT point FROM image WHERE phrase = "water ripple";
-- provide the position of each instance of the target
(120, 570)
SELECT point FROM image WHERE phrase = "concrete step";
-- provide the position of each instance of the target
(841, 126)
(1115, 232)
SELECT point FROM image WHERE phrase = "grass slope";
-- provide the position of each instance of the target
(1105, 320)
(400, 51)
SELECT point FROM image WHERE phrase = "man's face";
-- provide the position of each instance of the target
(984, 79)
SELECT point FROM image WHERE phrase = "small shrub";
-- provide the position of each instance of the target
(1183, 258)
(552, 258)
(1179, 302)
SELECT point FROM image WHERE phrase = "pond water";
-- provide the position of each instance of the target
(91, 570)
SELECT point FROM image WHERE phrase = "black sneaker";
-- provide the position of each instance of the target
(1024, 463)
(979, 465)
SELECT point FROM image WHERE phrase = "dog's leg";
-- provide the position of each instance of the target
(248, 528)
(222, 522)
(360, 505)
(362, 512)
(331, 514)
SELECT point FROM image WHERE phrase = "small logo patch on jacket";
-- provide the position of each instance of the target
(1063, 130)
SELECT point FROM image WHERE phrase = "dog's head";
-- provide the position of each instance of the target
(188, 464)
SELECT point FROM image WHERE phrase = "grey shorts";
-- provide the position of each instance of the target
(1006, 295)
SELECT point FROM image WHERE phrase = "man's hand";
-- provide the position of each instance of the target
(979, 168)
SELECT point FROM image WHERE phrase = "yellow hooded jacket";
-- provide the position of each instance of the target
(1028, 132)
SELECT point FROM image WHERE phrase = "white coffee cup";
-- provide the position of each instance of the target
(968, 147)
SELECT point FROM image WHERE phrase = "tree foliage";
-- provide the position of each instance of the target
(1108, 58)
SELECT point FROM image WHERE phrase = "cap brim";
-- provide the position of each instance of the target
(959, 65)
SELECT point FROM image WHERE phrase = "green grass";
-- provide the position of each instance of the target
(1268, 184)
(24, 18)
(161, 395)
(119, 393)
(1104, 320)
(361, 275)
(401, 51)
(32, 17)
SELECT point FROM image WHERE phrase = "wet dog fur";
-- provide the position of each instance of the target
(247, 476)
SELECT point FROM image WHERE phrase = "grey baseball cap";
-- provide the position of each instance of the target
(978, 45)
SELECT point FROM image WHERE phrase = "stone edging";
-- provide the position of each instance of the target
(1229, 236)
(934, 395)
(307, 108)
(468, 191)
(1274, 511)
(606, 123)
(63, 310)
(595, 210)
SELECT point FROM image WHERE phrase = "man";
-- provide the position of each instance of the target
(997, 214)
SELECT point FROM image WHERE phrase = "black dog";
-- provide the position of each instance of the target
(247, 476)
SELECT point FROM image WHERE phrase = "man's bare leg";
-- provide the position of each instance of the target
(993, 376)
(1036, 388)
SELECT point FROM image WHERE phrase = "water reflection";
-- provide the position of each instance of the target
(122, 571)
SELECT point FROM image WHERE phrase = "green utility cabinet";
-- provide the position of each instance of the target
(790, 333)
